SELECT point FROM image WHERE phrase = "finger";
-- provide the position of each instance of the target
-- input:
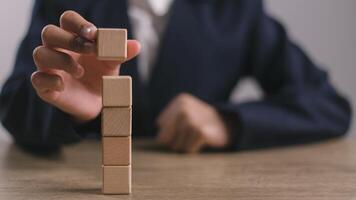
(46, 58)
(195, 143)
(165, 123)
(181, 137)
(166, 134)
(133, 49)
(176, 105)
(167, 115)
(55, 37)
(73, 22)
(44, 82)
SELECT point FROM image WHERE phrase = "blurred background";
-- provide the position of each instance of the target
(326, 29)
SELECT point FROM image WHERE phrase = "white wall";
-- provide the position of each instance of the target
(14, 19)
(327, 31)
(325, 28)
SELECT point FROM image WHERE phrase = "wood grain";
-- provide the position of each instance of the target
(117, 91)
(116, 179)
(314, 172)
(116, 151)
(116, 121)
(112, 44)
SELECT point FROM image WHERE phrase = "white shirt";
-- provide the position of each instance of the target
(148, 19)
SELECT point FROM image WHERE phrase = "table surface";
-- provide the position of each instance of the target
(316, 171)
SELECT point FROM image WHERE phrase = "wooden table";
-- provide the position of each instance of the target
(318, 171)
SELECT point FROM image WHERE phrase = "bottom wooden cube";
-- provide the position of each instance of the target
(116, 179)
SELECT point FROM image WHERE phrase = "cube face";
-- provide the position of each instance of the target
(116, 151)
(116, 179)
(116, 122)
(117, 91)
(112, 44)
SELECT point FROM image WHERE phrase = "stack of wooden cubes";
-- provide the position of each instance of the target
(116, 116)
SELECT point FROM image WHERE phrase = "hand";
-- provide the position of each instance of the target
(189, 124)
(68, 74)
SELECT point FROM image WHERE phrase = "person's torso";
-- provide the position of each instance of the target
(204, 50)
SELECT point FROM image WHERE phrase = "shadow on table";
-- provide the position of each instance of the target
(152, 146)
(90, 191)
(15, 157)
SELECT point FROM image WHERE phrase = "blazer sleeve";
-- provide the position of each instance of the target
(299, 104)
(31, 121)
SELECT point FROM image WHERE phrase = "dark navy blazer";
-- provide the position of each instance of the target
(208, 46)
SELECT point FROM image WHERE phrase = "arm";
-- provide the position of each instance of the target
(300, 104)
(61, 84)
(28, 119)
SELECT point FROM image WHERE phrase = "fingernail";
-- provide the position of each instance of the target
(83, 45)
(88, 32)
(36, 82)
(90, 46)
(80, 72)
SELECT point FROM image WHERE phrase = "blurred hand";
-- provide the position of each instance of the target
(189, 124)
(68, 74)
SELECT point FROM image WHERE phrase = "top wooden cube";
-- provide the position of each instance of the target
(112, 44)
(117, 91)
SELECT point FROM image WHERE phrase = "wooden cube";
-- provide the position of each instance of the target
(116, 179)
(116, 121)
(116, 151)
(112, 44)
(117, 91)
